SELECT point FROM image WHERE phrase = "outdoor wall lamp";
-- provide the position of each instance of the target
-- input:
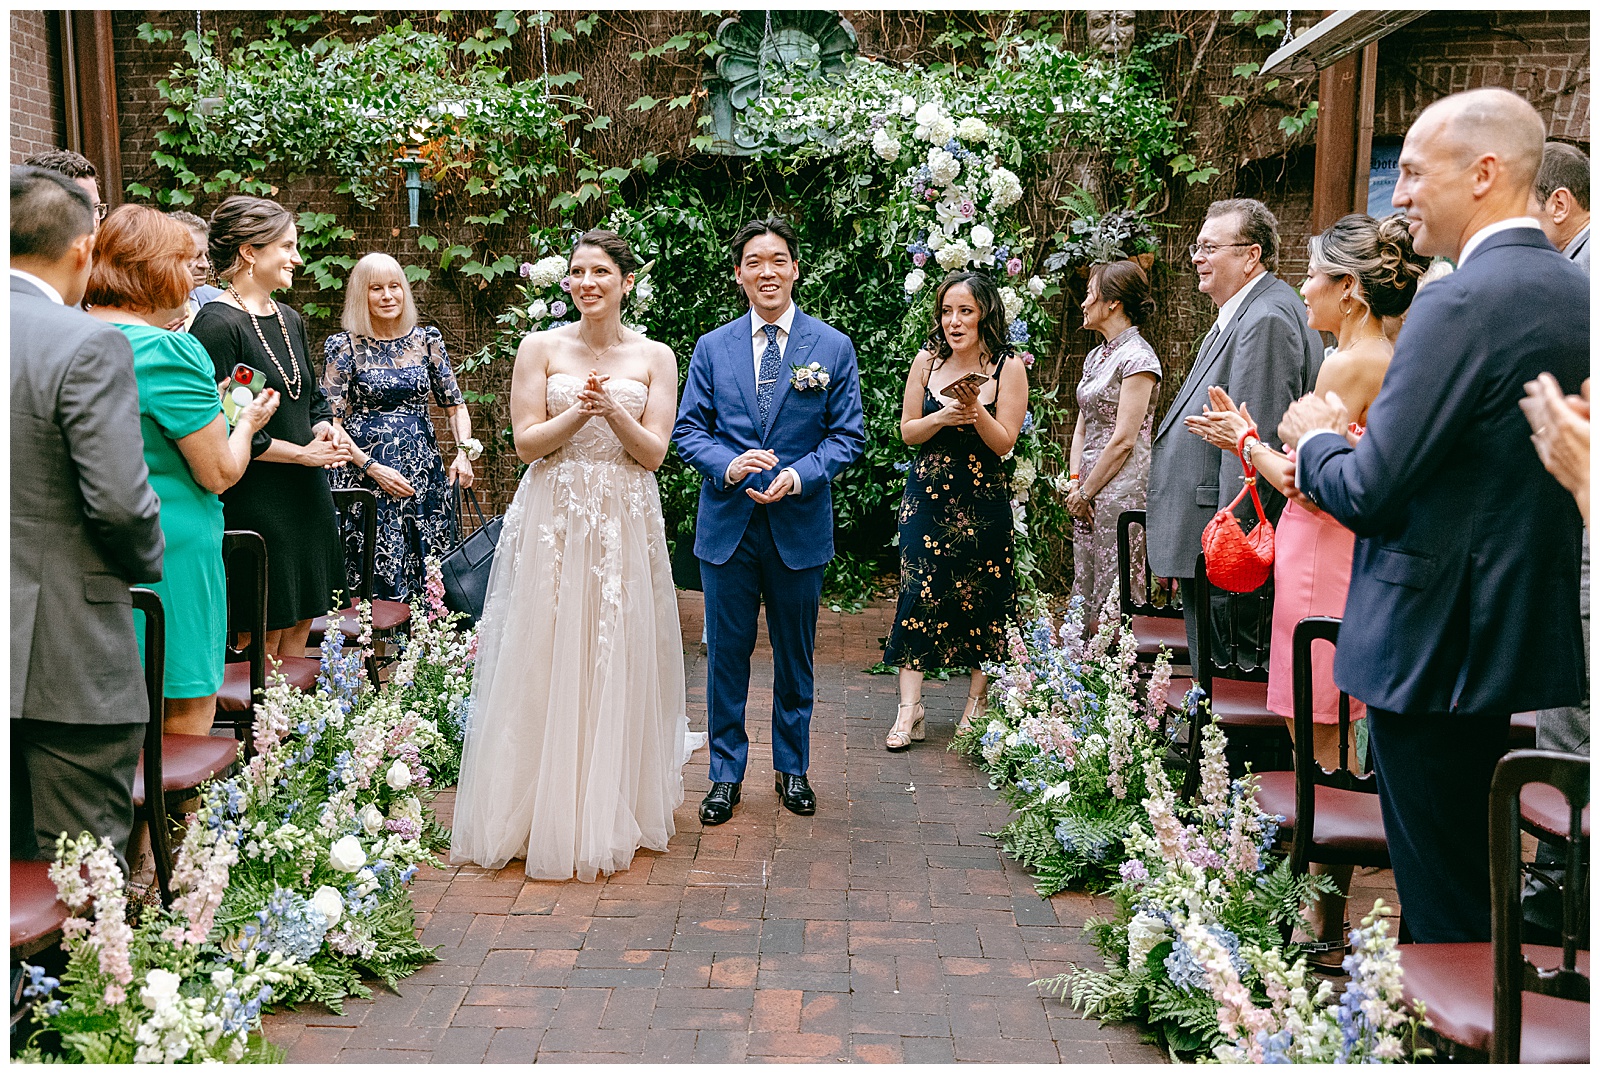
(412, 162)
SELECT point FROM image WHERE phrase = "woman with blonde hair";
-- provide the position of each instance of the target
(379, 374)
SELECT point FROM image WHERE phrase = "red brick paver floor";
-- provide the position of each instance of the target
(886, 928)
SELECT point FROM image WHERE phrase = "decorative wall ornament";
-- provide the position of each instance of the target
(771, 53)
(1111, 32)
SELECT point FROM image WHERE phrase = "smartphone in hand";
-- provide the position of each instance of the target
(240, 389)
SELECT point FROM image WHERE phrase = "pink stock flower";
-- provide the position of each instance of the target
(435, 590)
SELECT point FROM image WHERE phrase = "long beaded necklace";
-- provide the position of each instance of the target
(292, 385)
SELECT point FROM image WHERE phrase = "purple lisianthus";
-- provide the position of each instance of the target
(1014, 266)
(525, 270)
(919, 259)
(558, 308)
(566, 285)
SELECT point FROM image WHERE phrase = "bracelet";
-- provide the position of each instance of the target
(367, 465)
(1072, 477)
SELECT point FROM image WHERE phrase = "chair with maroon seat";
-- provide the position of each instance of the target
(37, 914)
(1154, 625)
(244, 676)
(1333, 818)
(389, 617)
(1231, 671)
(1474, 991)
(175, 763)
(1523, 734)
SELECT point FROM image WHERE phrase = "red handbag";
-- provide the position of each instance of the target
(1235, 560)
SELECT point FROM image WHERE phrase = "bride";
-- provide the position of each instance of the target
(575, 755)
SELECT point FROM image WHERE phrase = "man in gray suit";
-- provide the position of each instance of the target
(1560, 200)
(84, 525)
(1262, 352)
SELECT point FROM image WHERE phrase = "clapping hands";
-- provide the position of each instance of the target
(594, 401)
(1220, 424)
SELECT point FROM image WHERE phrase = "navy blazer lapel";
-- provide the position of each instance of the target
(802, 338)
(1200, 372)
(744, 370)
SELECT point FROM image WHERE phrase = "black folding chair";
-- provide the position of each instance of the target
(1155, 624)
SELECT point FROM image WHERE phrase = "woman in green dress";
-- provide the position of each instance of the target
(139, 283)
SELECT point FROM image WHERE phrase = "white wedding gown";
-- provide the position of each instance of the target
(574, 757)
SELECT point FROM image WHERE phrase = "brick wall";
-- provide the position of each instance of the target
(37, 120)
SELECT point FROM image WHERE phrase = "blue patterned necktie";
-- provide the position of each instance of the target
(768, 377)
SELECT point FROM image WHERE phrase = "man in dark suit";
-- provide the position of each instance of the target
(1560, 200)
(84, 525)
(1463, 603)
(768, 445)
(1261, 351)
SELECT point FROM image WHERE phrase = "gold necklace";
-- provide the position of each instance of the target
(292, 386)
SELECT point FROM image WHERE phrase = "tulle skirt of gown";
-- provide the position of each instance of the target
(574, 757)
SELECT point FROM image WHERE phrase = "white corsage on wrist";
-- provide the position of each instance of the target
(472, 447)
(807, 377)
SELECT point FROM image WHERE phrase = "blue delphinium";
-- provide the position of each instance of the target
(1027, 424)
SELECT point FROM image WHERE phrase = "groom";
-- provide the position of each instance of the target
(769, 433)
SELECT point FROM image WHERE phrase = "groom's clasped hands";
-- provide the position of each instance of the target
(754, 461)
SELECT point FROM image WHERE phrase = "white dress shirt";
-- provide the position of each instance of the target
(49, 292)
(758, 347)
(1230, 307)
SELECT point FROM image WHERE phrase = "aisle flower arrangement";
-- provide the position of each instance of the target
(292, 879)
(1068, 728)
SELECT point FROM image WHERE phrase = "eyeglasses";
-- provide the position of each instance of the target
(1210, 248)
(100, 210)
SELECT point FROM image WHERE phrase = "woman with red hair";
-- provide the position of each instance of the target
(140, 283)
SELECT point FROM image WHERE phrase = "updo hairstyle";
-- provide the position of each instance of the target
(1125, 282)
(1378, 254)
(613, 245)
(244, 221)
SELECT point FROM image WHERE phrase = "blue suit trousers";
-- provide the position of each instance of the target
(734, 592)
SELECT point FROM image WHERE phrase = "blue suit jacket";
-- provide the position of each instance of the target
(1464, 588)
(818, 432)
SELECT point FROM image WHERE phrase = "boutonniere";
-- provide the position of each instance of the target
(807, 377)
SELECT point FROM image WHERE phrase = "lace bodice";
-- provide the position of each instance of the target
(595, 441)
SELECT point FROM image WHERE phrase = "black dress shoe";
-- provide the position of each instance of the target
(717, 806)
(796, 792)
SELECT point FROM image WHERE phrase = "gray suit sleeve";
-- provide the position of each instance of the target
(1269, 372)
(98, 410)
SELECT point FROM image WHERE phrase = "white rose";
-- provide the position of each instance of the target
(346, 855)
(1035, 287)
(927, 114)
(972, 129)
(982, 237)
(371, 819)
(538, 311)
(886, 145)
(908, 106)
(1144, 933)
(941, 130)
(366, 882)
(954, 254)
(936, 241)
(915, 281)
(473, 447)
(823, 378)
(399, 775)
(327, 902)
(160, 988)
(1012, 302)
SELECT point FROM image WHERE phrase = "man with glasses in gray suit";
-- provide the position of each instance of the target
(85, 524)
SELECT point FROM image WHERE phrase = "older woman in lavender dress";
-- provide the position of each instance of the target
(1110, 459)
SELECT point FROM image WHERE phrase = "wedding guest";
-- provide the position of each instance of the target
(1463, 600)
(140, 277)
(74, 166)
(378, 375)
(199, 265)
(1560, 200)
(85, 524)
(1261, 348)
(963, 408)
(1361, 270)
(1109, 463)
(284, 496)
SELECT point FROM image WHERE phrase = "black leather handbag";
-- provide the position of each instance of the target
(466, 567)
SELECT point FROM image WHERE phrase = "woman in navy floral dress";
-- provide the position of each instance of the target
(379, 375)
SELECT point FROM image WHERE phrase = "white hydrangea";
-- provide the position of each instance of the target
(954, 254)
(941, 130)
(908, 106)
(1022, 479)
(547, 271)
(1144, 934)
(886, 145)
(972, 129)
(981, 237)
(927, 114)
(1012, 302)
(1035, 287)
(1005, 189)
(943, 166)
(915, 281)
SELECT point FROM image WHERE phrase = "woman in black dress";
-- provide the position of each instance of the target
(284, 496)
(964, 403)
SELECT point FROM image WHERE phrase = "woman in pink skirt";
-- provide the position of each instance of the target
(1361, 270)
